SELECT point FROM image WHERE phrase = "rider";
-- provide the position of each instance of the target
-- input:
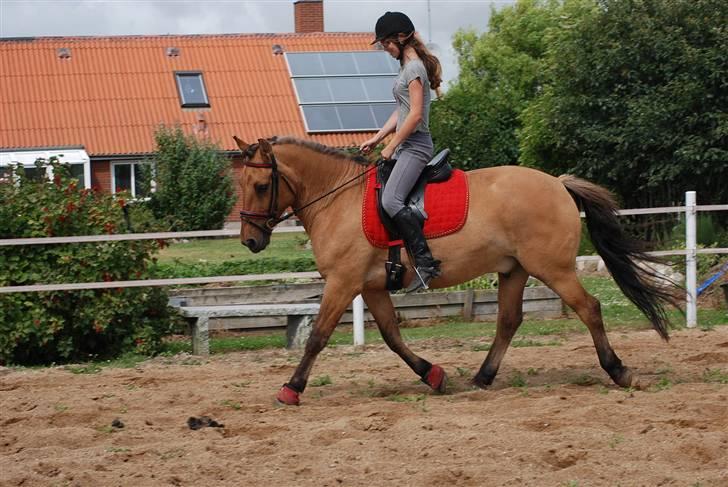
(411, 145)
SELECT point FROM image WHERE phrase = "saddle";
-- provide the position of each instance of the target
(437, 170)
(440, 196)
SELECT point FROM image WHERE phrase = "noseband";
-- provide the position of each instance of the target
(271, 218)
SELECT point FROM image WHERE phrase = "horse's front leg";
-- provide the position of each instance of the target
(381, 307)
(336, 298)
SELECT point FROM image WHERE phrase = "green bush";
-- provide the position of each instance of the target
(59, 326)
(194, 190)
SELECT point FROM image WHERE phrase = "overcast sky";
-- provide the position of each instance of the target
(19, 18)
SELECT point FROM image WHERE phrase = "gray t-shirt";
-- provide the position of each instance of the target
(410, 71)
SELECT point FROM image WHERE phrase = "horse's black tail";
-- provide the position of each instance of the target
(625, 257)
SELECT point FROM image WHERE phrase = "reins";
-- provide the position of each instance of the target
(271, 219)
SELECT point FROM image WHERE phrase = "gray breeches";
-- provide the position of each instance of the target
(412, 157)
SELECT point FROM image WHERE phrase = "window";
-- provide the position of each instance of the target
(191, 89)
(132, 177)
(78, 160)
(343, 91)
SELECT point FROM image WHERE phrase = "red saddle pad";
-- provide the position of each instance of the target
(446, 204)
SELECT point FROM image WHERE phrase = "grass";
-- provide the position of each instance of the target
(323, 380)
(715, 376)
(282, 245)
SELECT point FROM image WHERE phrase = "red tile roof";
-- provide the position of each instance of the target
(112, 92)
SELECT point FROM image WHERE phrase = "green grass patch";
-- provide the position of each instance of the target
(322, 380)
(231, 404)
(91, 368)
(397, 397)
(517, 380)
(715, 376)
(218, 250)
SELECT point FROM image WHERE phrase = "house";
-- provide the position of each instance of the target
(98, 100)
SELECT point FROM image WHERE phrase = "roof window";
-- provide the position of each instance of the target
(191, 89)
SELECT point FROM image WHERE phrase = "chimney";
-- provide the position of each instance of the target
(309, 16)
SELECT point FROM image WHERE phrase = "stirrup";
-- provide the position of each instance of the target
(422, 279)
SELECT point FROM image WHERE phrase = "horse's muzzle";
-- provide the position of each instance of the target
(254, 245)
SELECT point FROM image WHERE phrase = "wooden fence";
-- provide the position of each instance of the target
(691, 251)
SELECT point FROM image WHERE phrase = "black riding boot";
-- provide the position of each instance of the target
(426, 268)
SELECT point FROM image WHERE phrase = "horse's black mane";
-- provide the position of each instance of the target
(320, 148)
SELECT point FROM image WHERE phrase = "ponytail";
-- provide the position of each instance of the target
(432, 64)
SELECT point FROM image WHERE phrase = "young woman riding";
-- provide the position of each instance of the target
(411, 145)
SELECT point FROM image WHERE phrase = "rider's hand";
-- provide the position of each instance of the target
(387, 152)
(367, 146)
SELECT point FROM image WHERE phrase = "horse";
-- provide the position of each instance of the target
(521, 222)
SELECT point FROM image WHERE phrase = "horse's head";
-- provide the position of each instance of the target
(264, 198)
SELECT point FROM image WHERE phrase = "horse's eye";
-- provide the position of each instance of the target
(261, 188)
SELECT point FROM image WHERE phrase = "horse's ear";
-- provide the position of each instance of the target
(242, 145)
(265, 146)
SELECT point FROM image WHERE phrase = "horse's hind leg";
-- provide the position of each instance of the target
(380, 306)
(510, 316)
(587, 307)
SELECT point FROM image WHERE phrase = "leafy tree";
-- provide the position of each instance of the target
(194, 189)
(637, 99)
(59, 326)
(501, 72)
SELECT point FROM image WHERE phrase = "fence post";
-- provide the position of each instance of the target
(357, 309)
(691, 259)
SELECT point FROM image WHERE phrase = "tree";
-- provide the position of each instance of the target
(194, 189)
(501, 72)
(636, 99)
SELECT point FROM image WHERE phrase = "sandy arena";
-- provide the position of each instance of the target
(375, 424)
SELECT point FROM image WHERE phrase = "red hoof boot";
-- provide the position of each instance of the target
(287, 396)
(436, 378)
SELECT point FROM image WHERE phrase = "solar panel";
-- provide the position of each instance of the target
(346, 117)
(343, 91)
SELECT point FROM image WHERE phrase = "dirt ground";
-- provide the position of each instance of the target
(552, 418)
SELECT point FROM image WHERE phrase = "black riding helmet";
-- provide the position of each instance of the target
(392, 23)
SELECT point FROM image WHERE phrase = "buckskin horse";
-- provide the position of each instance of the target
(520, 222)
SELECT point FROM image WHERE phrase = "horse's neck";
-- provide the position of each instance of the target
(316, 174)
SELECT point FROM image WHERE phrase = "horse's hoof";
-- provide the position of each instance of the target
(624, 379)
(287, 396)
(436, 378)
(479, 383)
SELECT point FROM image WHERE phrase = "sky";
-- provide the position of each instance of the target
(436, 20)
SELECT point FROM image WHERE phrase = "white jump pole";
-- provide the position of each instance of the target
(358, 312)
(691, 259)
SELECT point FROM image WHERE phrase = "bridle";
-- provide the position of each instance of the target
(271, 217)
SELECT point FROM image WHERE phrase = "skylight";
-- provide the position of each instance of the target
(191, 89)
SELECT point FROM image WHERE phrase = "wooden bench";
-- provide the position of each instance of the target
(298, 328)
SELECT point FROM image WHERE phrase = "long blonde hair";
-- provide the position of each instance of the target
(432, 64)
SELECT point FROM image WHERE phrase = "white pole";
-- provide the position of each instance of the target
(358, 311)
(691, 259)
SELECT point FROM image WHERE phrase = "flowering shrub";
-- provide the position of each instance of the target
(57, 326)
